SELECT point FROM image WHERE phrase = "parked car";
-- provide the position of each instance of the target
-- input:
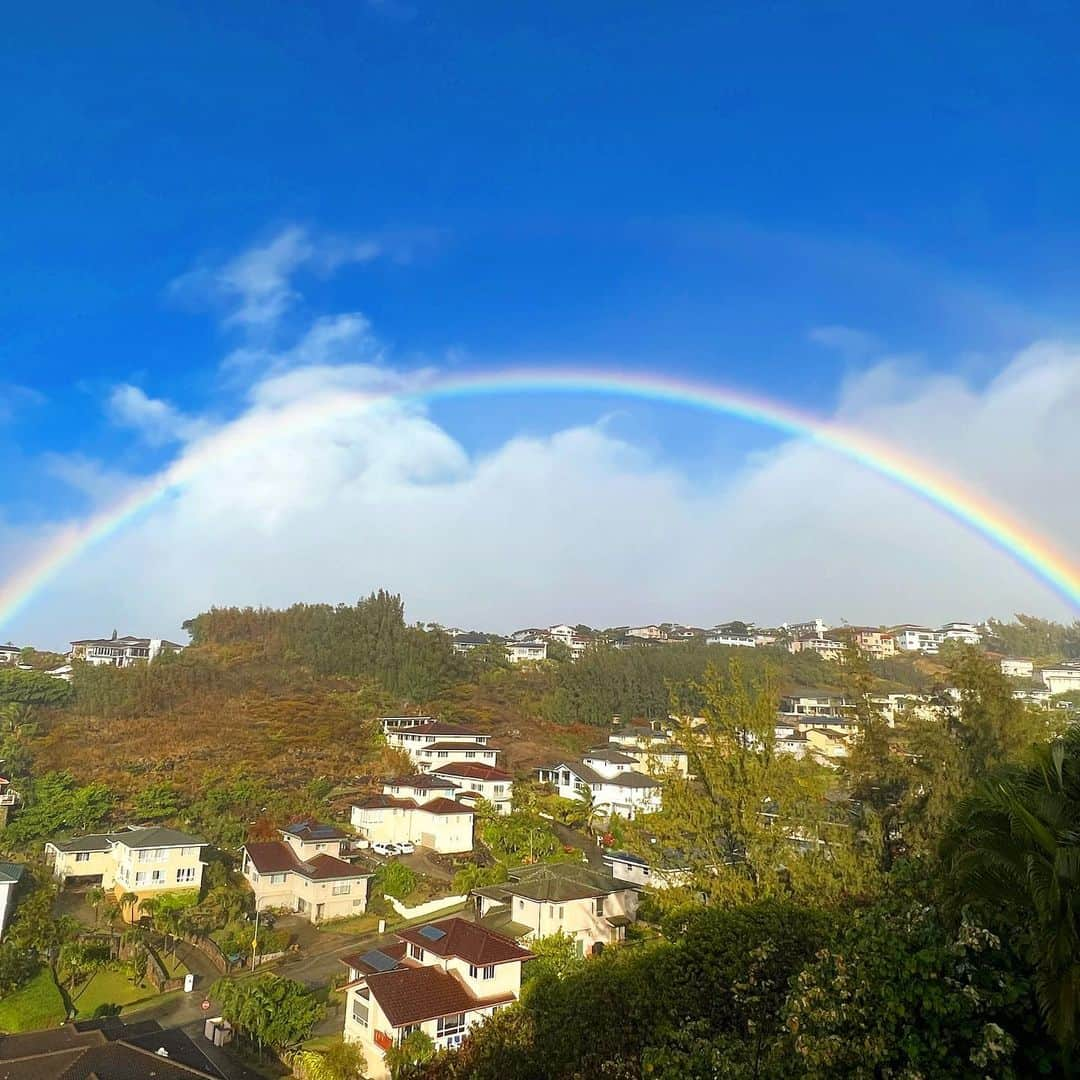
(385, 849)
(405, 848)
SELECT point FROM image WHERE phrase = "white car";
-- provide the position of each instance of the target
(385, 849)
(404, 847)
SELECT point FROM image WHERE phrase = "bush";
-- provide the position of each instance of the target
(396, 880)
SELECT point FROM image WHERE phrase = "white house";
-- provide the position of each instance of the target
(121, 651)
(742, 641)
(966, 632)
(814, 705)
(1061, 679)
(10, 876)
(437, 742)
(813, 628)
(474, 780)
(304, 873)
(146, 861)
(1017, 667)
(617, 789)
(465, 643)
(10, 654)
(388, 722)
(589, 906)
(650, 633)
(575, 641)
(518, 652)
(666, 873)
(911, 638)
(441, 979)
(441, 824)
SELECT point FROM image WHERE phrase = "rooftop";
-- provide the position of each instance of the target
(311, 831)
(467, 940)
(554, 882)
(472, 770)
(438, 727)
(420, 781)
(276, 857)
(137, 838)
(411, 995)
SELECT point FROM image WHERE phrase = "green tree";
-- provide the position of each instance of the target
(269, 1010)
(158, 801)
(555, 956)
(395, 879)
(1014, 847)
(406, 1058)
(54, 804)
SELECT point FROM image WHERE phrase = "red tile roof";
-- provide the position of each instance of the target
(468, 941)
(413, 995)
(472, 770)
(276, 857)
(446, 806)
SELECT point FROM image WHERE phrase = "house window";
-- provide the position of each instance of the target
(470, 754)
(185, 874)
(82, 856)
(521, 905)
(600, 906)
(442, 753)
(188, 852)
(482, 973)
(451, 1025)
(157, 877)
(360, 1012)
(416, 952)
(140, 877)
(342, 889)
(498, 789)
(276, 879)
(562, 911)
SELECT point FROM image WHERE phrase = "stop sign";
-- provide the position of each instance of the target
(205, 1004)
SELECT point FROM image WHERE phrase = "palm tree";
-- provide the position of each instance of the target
(1016, 846)
(128, 901)
(95, 897)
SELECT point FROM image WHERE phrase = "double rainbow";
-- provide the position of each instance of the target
(972, 509)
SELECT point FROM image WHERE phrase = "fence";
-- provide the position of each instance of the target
(212, 951)
(421, 910)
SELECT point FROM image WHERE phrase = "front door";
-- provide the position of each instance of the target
(319, 912)
(301, 905)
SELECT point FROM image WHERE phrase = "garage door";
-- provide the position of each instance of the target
(427, 839)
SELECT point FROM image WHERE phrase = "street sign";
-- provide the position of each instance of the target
(205, 1004)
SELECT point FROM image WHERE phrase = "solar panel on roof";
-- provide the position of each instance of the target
(379, 960)
(432, 933)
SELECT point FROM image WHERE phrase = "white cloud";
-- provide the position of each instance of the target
(157, 421)
(846, 340)
(256, 287)
(583, 526)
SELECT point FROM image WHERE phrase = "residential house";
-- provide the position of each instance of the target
(121, 651)
(790, 741)
(441, 978)
(304, 872)
(911, 638)
(106, 1049)
(519, 652)
(613, 787)
(1061, 679)
(10, 654)
(826, 746)
(815, 628)
(146, 861)
(742, 641)
(828, 648)
(465, 643)
(815, 705)
(1040, 698)
(437, 741)
(388, 722)
(10, 876)
(873, 641)
(1017, 667)
(576, 641)
(668, 872)
(650, 633)
(659, 758)
(475, 780)
(639, 735)
(966, 632)
(536, 901)
(436, 822)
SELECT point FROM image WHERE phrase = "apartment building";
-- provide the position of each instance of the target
(145, 861)
(441, 978)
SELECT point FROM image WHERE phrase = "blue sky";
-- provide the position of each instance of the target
(782, 197)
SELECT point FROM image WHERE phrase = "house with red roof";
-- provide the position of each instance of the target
(418, 809)
(475, 780)
(303, 872)
(441, 978)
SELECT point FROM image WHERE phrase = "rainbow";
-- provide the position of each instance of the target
(972, 509)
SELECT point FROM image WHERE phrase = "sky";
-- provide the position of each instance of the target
(214, 212)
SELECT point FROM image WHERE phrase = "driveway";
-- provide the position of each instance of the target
(422, 862)
(582, 841)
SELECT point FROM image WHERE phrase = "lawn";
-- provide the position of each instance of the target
(36, 1005)
(351, 924)
(111, 986)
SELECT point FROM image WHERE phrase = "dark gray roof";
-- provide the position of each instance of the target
(579, 769)
(150, 837)
(634, 780)
(610, 754)
(11, 871)
(554, 882)
(626, 857)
